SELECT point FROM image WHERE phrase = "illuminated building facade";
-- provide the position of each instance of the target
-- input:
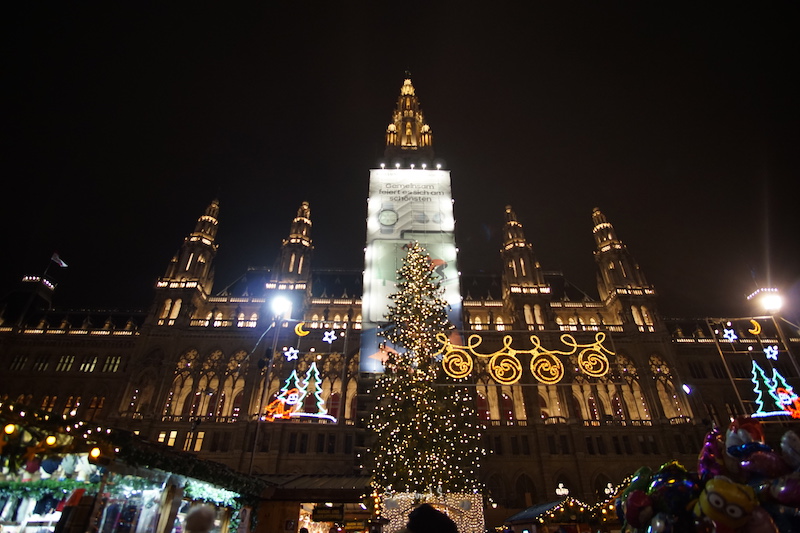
(576, 392)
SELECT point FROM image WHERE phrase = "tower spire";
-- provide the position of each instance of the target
(619, 280)
(190, 274)
(295, 258)
(525, 290)
(408, 137)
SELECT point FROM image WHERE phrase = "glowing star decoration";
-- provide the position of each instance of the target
(771, 352)
(730, 335)
(774, 397)
(329, 336)
(291, 353)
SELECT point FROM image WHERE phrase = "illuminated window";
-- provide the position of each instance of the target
(194, 441)
(168, 437)
(88, 364)
(334, 402)
(48, 403)
(507, 407)
(176, 308)
(483, 407)
(522, 266)
(111, 363)
(528, 314)
(189, 262)
(300, 262)
(165, 310)
(291, 262)
(237, 405)
(478, 325)
(18, 363)
(71, 407)
(65, 363)
(95, 405)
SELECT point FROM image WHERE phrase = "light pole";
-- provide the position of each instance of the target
(771, 301)
(279, 305)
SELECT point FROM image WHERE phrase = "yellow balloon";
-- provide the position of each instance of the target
(756, 327)
(299, 331)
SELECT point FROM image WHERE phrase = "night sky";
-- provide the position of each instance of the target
(122, 122)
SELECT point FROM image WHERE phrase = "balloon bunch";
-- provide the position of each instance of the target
(741, 486)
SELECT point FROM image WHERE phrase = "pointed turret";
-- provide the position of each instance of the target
(619, 276)
(525, 291)
(408, 137)
(190, 274)
(294, 263)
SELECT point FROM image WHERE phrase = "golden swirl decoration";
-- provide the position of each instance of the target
(457, 364)
(548, 369)
(505, 367)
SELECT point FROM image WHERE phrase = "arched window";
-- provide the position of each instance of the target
(334, 401)
(506, 407)
(617, 406)
(176, 308)
(543, 409)
(637, 317)
(478, 325)
(522, 266)
(95, 406)
(594, 412)
(300, 262)
(529, 319)
(237, 405)
(576, 407)
(483, 407)
(525, 492)
(537, 312)
(165, 310)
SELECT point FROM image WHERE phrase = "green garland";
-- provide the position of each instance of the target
(42, 487)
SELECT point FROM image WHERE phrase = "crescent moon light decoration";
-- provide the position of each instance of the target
(756, 327)
(299, 331)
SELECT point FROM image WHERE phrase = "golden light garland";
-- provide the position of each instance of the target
(505, 367)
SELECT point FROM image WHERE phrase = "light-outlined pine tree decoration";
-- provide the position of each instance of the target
(312, 377)
(784, 396)
(762, 386)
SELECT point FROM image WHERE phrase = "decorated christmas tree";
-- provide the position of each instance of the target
(426, 436)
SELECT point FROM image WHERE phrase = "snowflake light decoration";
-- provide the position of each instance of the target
(291, 353)
(329, 337)
(771, 352)
(730, 335)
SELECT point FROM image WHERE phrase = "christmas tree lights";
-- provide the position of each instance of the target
(426, 435)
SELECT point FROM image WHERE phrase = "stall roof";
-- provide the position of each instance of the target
(533, 513)
(311, 488)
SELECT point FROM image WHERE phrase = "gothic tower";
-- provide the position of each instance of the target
(294, 263)
(408, 137)
(190, 275)
(620, 282)
(525, 292)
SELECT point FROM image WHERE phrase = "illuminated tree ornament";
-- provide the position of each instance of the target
(329, 336)
(290, 401)
(291, 353)
(784, 400)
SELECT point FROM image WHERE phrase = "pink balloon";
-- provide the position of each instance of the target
(760, 522)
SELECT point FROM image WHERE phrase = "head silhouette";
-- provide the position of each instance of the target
(426, 519)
